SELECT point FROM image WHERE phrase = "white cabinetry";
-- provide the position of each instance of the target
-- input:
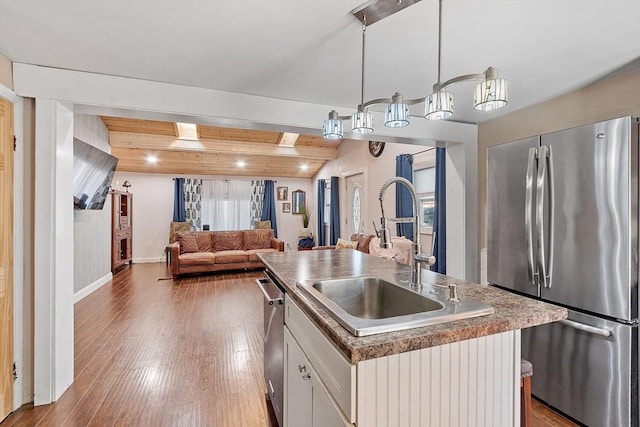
(473, 382)
(307, 401)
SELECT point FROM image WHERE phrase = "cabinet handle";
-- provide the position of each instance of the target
(306, 376)
(302, 368)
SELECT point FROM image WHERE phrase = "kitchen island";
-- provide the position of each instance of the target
(464, 372)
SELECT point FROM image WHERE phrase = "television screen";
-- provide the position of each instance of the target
(93, 171)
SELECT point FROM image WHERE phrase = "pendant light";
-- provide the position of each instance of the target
(490, 94)
(362, 120)
(439, 104)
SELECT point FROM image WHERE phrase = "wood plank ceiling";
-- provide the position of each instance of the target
(215, 150)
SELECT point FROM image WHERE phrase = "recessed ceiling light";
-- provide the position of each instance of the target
(152, 159)
(240, 163)
(304, 167)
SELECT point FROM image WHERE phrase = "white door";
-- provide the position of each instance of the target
(356, 204)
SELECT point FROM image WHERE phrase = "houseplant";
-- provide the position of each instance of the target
(305, 216)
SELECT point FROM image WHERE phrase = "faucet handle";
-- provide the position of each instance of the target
(425, 259)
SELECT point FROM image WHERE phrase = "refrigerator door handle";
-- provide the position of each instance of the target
(543, 152)
(586, 328)
(528, 215)
(549, 260)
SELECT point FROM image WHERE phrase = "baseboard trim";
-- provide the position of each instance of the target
(147, 260)
(92, 287)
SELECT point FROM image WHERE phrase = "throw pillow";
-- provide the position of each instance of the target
(188, 243)
(346, 244)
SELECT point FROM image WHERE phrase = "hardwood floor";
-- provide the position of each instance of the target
(164, 353)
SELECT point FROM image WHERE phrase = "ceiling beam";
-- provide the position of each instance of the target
(202, 163)
(162, 143)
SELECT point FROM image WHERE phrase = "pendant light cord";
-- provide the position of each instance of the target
(364, 33)
(439, 38)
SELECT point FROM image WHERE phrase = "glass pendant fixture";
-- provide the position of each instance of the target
(438, 106)
(396, 114)
(362, 122)
(332, 127)
(490, 94)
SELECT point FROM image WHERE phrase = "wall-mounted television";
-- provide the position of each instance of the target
(93, 171)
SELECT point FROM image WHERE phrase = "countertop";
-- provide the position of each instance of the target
(511, 311)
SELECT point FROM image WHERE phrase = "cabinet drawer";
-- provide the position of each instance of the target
(334, 370)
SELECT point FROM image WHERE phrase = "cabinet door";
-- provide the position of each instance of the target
(325, 413)
(298, 391)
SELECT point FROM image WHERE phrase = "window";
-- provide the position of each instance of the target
(425, 184)
(226, 205)
(427, 210)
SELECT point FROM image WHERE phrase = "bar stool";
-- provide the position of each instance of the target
(526, 371)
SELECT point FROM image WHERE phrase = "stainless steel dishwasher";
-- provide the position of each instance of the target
(273, 342)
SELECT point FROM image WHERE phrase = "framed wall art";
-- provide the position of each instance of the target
(283, 193)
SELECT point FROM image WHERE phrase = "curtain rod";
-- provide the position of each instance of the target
(424, 151)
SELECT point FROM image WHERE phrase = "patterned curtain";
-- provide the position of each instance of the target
(257, 196)
(193, 202)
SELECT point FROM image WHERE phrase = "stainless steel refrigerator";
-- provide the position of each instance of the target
(562, 226)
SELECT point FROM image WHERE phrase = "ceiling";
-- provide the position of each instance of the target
(310, 51)
(215, 150)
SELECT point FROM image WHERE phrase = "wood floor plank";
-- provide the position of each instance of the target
(171, 353)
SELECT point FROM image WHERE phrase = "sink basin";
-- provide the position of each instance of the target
(374, 298)
(371, 305)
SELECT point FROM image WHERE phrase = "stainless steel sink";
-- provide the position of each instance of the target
(370, 305)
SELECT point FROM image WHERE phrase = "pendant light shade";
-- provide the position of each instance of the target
(332, 127)
(396, 114)
(490, 94)
(438, 106)
(362, 122)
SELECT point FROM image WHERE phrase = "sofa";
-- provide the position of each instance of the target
(208, 251)
(362, 240)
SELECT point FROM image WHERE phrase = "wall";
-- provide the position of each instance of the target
(153, 211)
(353, 158)
(461, 188)
(617, 97)
(6, 72)
(91, 228)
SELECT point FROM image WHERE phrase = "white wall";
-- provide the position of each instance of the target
(153, 210)
(461, 167)
(354, 157)
(91, 228)
(53, 251)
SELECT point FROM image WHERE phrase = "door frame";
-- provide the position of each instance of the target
(22, 308)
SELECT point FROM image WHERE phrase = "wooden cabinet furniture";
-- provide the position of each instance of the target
(121, 228)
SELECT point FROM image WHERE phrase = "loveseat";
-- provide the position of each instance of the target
(206, 251)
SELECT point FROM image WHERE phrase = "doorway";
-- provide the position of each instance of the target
(6, 257)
